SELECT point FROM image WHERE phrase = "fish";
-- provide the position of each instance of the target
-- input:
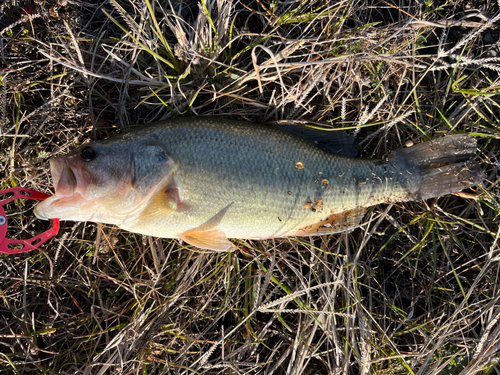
(205, 180)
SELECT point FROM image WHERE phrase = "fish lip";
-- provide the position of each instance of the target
(39, 211)
(43, 210)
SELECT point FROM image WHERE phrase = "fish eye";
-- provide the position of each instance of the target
(88, 153)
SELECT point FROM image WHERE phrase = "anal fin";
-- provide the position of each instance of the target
(208, 235)
(335, 223)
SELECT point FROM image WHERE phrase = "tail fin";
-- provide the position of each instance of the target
(445, 164)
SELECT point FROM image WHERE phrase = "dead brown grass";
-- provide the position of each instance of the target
(414, 290)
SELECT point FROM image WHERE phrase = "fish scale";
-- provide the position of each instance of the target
(255, 174)
(205, 179)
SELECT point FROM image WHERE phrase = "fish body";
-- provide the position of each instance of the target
(207, 179)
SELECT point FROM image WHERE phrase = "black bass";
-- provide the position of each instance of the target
(207, 179)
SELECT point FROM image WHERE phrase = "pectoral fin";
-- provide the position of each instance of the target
(333, 224)
(208, 235)
(161, 204)
(164, 202)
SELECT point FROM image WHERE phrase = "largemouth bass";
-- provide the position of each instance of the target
(206, 179)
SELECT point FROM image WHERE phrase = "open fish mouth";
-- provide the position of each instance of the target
(68, 178)
(70, 183)
(65, 182)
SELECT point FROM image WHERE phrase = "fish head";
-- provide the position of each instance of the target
(106, 181)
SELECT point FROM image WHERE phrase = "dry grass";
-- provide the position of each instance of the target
(414, 290)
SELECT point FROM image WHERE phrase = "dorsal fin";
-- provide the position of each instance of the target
(334, 141)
